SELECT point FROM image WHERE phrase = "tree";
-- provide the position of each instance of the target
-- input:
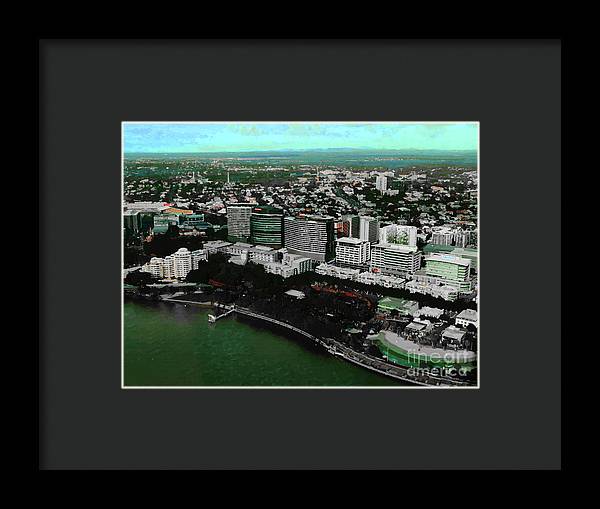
(138, 278)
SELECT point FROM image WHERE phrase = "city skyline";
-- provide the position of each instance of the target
(158, 137)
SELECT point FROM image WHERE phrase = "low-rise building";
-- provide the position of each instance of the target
(372, 278)
(434, 289)
(290, 265)
(453, 336)
(326, 269)
(429, 312)
(403, 306)
(253, 253)
(147, 206)
(417, 328)
(467, 317)
(216, 246)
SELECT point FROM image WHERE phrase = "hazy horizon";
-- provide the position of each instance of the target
(239, 137)
(332, 149)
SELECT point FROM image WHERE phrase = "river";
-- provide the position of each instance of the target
(168, 344)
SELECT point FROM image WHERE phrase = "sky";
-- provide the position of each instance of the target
(241, 137)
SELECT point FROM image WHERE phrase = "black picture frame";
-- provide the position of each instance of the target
(87, 87)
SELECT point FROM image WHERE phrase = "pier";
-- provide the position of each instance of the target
(213, 318)
(340, 350)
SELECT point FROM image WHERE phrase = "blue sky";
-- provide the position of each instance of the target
(239, 137)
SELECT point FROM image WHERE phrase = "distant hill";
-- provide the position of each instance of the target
(335, 156)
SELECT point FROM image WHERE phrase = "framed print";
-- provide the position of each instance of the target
(300, 254)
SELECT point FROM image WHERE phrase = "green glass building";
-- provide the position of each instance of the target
(266, 226)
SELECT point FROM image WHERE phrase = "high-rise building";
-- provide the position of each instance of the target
(462, 238)
(266, 226)
(182, 262)
(349, 251)
(352, 226)
(398, 234)
(342, 228)
(448, 236)
(381, 183)
(395, 258)
(442, 236)
(369, 228)
(310, 236)
(132, 220)
(177, 265)
(155, 267)
(238, 222)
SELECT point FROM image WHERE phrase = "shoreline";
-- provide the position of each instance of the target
(337, 349)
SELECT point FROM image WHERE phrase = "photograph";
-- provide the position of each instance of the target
(300, 254)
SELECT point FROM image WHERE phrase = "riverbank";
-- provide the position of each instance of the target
(168, 344)
(405, 374)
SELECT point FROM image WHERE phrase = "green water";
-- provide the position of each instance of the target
(167, 344)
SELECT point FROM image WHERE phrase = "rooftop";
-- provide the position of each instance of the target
(457, 260)
(396, 247)
(435, 312)
(416, 326)
(453, 333)
(295, 293)
(350, 240)
(394, 302)
(467, 314)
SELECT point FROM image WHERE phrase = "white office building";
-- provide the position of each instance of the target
(350, 251)
(290, 265)
(253, 253)
(395, 258)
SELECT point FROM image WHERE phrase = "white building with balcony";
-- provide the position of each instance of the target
(351, 251)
